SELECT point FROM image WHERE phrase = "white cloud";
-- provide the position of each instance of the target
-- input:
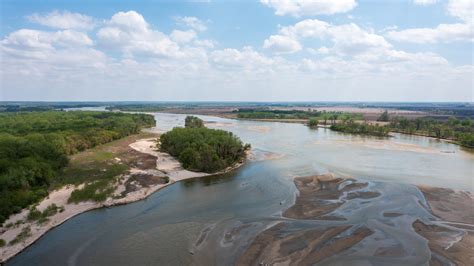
(180, 36)
(347, 39)
(351, 60)
(282, 44)
(424, 2)
(205, 43)
(310, 8)
(442, 33)
(461, 9)
(35, 39)
(63, 20)
(247, 58)
(130, 33)
(192, 22)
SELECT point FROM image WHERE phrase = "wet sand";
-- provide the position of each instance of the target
(318, 197)
(289, 242)
(451, 239)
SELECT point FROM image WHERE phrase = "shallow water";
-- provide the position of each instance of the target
(211, 220)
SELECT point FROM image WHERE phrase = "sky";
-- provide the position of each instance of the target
(267, 50)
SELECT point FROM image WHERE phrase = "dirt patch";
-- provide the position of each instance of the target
(320, 195)
(279, 245)
(447, 245)
(450, 205)
(451, 240)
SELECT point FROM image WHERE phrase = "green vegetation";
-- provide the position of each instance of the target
(313, 122)
(193, 122)
(25, 233)
(295, 114)
(96, 191)
(34, 148)
(461, 131)
(384, 117)
(101, 187)
(203, 149)
(2, 243)
(361, 128)
(41, 217)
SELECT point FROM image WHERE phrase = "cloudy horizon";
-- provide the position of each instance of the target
(347, 50)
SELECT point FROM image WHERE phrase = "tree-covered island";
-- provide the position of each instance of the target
(202, 149)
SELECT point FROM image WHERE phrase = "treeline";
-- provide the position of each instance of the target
(203, 149)
(136, 108)
(34, 147)
(42, 106)
(361, 128)
(295, 114)
(460, 130)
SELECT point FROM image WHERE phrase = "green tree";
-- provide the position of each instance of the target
(313, 122)
(193, 122)
(384, 117)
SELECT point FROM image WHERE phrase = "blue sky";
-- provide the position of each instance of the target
(414, 50)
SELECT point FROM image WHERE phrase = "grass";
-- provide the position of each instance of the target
(96, 191)
(2, 243)
(42, 217)
(25, 233)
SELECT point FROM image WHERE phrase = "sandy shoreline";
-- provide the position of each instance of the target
(166, 165)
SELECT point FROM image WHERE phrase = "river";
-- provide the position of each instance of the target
(210, 221)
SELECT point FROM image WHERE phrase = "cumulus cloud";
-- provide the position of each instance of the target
(35, 39)
(192, 22)
(464, 31)
(462, 9)
(347, 39)
(180, 36)
(309, 8)
(130, 33)
(441, 33)
(247, 58)
(63, 20)
(205, 43)
(282, 44)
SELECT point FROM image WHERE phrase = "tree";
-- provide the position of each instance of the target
(384, 117)
(203, 149)
(313, 122)
(193, 122)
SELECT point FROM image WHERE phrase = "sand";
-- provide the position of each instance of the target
(451, 239)
(138, 184)
(318, 197)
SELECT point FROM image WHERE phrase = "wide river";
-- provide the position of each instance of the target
(200, 221)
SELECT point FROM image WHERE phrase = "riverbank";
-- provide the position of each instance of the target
(149, 171)
(329, 233)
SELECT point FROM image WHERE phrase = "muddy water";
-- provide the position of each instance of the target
(212, 220)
